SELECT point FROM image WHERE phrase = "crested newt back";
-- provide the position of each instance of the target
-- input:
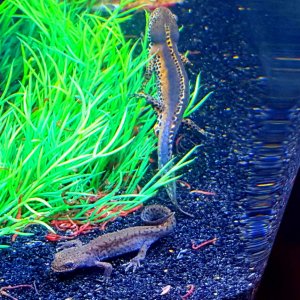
(172, 84)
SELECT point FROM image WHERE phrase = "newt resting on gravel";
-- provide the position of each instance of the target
(160, 222)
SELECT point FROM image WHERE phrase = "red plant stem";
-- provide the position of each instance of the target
(18, 216)
(202, 192)
(185, 184)
(196, 247)
(191, 289)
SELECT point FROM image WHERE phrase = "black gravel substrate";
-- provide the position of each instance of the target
(213, 32)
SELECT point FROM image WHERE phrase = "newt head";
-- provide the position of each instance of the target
(69, 259)
(162, 20)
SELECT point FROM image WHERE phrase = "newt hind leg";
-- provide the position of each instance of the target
(136, 261)
(107, 268)
(191, 124)
(156, 104)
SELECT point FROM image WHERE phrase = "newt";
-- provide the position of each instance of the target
(172, 84)
(160, 222)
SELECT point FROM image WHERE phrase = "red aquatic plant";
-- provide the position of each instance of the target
(149, 4)
(76, 228)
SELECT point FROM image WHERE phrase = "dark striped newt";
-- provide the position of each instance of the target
(172, 84)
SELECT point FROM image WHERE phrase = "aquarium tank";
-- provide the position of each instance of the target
(148, 148)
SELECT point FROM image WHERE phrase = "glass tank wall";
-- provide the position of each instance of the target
(274, 32)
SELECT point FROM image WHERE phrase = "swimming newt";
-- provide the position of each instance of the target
(172, 84)
(160, 222)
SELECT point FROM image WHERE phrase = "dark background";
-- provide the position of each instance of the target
(282, 276)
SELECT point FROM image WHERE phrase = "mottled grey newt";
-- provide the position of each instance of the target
(160, 222)
(172, 84)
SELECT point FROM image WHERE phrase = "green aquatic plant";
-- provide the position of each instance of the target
(70, 129)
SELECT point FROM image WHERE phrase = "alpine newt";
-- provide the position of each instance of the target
(160, 222)
(172, 85)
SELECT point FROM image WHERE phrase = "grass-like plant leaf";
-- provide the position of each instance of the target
(69, 126)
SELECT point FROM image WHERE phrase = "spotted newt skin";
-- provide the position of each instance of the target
(161, 222)
(172, 83)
